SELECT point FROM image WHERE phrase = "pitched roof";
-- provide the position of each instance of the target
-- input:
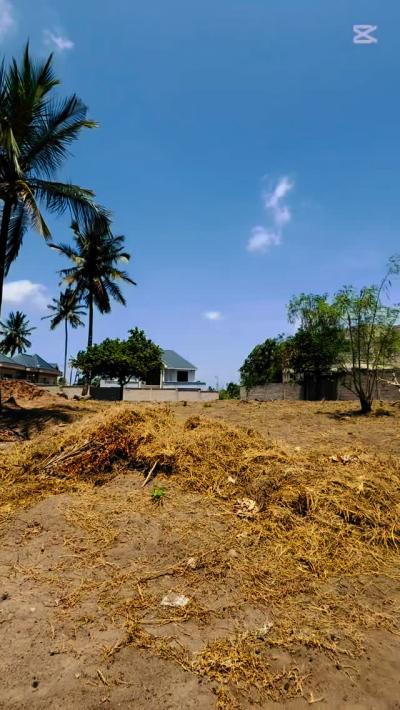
(33, 361)
(5, 360)
(173, 361)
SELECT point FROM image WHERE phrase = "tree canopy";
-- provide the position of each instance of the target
(120, 360)
(372, 338)
(68, 309)
(36, 130)
(15, 332)
(355, 334)
(264, 364)
(95, 255)
(319, 340)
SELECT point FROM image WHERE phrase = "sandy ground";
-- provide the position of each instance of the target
(73, 566)
(310, 425)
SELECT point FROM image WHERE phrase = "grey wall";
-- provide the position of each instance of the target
(290, 391)
(278, 390)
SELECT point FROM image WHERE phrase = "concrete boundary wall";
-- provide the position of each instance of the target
(111, 394)
(275, 390)
(291, 391)
(169, 395)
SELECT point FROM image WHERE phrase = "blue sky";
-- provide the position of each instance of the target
(247, 148)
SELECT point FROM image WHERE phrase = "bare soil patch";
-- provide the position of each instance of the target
(310, 425)
(288, 560)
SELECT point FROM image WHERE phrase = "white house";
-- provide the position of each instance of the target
(177, 373)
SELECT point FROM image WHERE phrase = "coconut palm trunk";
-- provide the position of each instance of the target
(95, 273)
(67, 309)
(90, 331)
(66, 351)
(86, 386)
(5, 224)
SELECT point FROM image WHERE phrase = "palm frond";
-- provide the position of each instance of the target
(59, 197)
(95, 255)
(65, 249)
(27, 198)
(65, 308)
(114, 290)
(57, 129)
(36, 132)
(15, 331)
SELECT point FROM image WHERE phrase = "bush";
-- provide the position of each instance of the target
(232, 391)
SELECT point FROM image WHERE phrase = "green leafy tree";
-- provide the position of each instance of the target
(36, 130)
(121, 360)
(264, 364)
(232, 391)
(66, 309)
(145, 354)
(372, 338)
(319, 341)
(96, 255)
(15, 332)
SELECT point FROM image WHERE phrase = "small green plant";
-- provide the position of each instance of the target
(157, 494)
(207, 404)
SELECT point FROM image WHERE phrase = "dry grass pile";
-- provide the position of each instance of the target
(20, 389)
(301, 534)
(328, 498)
(84, 451)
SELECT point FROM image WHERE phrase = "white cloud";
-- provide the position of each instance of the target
(57, 41)
(7, 19)
(273, 198)
(279, 215)
(212, 315)
(261, 239)
(280, 212)
(19, 293)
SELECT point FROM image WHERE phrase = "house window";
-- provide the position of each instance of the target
(182, 376)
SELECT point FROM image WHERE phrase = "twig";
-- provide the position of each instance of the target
(169, 571)
(149, 475)
(101, 676)
(64, 455)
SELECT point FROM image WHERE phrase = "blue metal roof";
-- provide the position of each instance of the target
(34, 362)
(5, 360)
(173, 361)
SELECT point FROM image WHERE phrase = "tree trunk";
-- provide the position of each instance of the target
(86, 386)
(121, 392)
(90, 333)
(366, 405)
(5, 223)
(66, 351)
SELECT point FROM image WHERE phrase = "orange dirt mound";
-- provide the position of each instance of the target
(19, 389)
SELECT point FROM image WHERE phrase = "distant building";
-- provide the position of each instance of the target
(177, 373)
(29, 367)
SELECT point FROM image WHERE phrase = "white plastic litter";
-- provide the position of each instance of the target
(172, 599)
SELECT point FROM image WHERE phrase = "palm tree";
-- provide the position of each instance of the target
(35, 132)
(95, 255)
(66, 308)
(15, 331)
